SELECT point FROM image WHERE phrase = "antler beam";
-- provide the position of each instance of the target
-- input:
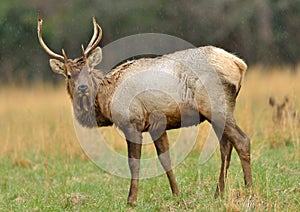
(45, 47)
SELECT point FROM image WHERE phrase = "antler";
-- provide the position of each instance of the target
(95, 39)
(45, 47)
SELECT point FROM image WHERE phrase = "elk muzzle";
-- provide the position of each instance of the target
(83, 89)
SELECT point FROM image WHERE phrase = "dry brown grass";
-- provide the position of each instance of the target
(36, 120)
(254, 112)
(39, 119)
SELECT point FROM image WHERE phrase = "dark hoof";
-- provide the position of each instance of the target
(131, 202)
(218, 193)
(176, 193)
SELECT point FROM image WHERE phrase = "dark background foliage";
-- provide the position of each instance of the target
(260, 31)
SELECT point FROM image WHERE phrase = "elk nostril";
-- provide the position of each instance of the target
(83, 88)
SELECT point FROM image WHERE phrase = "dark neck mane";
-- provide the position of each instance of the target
(104, 86)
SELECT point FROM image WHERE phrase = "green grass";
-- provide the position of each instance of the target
(60, 185)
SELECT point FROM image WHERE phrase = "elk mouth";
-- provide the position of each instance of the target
(84, 103)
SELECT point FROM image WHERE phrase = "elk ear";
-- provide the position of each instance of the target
(272, 101)
(57, 66)
(95, 57)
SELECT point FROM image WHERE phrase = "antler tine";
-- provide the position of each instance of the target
(95, 39)
(64, 54)
(94, 35)
(44, 46)
(82, 50)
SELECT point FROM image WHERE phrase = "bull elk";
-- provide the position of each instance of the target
(91, 93)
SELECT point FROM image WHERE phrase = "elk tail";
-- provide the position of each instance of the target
(242, 66)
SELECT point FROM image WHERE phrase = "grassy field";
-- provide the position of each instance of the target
(42, 166)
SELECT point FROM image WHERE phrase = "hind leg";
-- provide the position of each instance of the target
(241, 143)
(225, 149)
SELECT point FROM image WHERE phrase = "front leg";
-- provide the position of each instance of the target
(134, 146)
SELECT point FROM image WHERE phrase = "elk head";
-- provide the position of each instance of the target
(281, 109)
(80, 77)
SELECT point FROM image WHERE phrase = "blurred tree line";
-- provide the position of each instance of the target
(259, 31)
